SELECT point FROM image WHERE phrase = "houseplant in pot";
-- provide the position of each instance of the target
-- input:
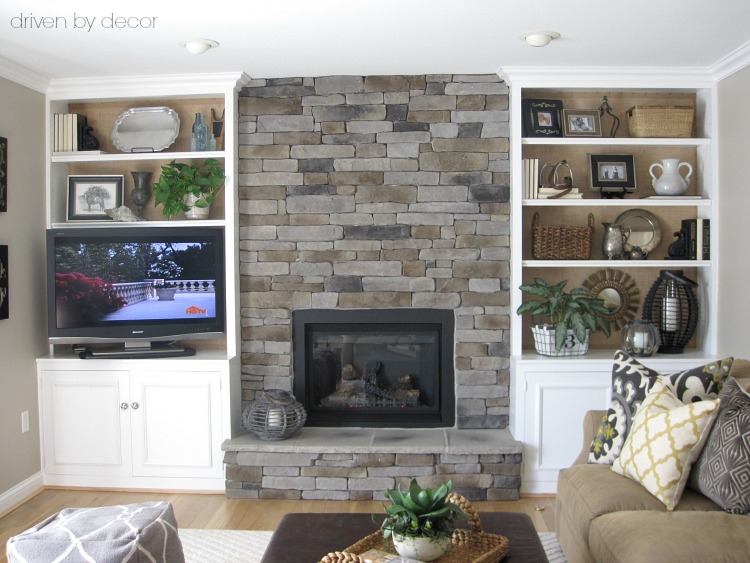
(421, 521)
(563, 321)
(191, 188)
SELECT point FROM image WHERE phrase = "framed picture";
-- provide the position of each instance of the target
(4, 311)
(3, 174)
(541, 118)
(612, 172)
(89, 196)
(581, 123)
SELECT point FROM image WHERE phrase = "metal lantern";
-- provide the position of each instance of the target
(275, 415)
(672, 306)
(640, 338)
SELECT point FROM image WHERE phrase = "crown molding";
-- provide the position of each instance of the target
(619, 77)
(734, 61)
(146, 86)
(23, 76)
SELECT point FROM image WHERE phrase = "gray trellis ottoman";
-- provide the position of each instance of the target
(134, 533)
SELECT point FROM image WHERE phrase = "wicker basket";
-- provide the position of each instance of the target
(561, 242)
(661, 121)
(469, 546)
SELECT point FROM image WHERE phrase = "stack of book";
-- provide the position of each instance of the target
(69, 129)
(532, 188)
(697, 238)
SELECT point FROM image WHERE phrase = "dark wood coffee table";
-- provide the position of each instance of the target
(307, 538)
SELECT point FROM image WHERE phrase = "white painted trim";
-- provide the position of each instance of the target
(621, 78)
(23, 76)
(21, 492)
(734, 61)
(146, 86)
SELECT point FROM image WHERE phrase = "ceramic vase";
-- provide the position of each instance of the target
(421, 549)
(195, 212)
(671, 182)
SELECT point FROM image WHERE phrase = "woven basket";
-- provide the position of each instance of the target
(661, 121)
(561, 242)
(468, 546)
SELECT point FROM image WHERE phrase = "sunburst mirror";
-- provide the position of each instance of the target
(618, 291)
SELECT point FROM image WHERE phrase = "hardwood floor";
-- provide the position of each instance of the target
(216, 511)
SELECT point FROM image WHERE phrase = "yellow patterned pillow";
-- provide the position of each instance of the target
(664, 441)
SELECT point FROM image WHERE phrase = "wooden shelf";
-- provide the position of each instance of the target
(135, 156)
(617, 141)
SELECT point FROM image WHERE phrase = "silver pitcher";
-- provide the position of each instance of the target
(613, 245)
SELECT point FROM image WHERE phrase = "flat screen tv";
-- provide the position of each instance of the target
(141, 289)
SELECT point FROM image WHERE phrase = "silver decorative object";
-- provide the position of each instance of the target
(142, 191)
(275, 415)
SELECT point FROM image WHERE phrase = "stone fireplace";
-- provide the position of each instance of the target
(377, 192)
(374, 367)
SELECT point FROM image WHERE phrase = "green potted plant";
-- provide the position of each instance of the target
(565, 319)
(421, 521)
(191, 188)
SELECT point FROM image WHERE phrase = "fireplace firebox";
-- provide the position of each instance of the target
(375, 367)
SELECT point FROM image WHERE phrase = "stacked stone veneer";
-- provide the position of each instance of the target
(377, 192)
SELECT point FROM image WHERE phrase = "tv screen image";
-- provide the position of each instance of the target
(135, 284)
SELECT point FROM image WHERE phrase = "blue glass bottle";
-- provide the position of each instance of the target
(200, 134)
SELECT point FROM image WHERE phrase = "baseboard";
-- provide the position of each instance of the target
(19, 494)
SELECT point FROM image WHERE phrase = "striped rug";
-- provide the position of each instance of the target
(241, 546)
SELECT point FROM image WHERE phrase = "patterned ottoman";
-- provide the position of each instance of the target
(110, 534)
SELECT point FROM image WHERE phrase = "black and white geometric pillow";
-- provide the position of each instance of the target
(722, 471)
(631, 380)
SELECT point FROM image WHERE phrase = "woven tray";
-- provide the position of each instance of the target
(661, 121)
(469, 546)
(561, 242)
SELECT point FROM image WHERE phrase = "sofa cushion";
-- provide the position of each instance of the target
(684, 536)
(722, 471)
(631, 380)
(586, 492)
(666, 438)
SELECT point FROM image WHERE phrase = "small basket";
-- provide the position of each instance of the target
(469, 546)
(661, 121)
(275, 415)
(561, 242)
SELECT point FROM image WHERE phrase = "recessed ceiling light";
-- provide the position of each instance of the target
(199, 46)
(540, 38)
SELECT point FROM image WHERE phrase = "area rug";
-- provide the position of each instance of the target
(240, 546)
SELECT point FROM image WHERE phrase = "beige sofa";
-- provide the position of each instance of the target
(604, 517)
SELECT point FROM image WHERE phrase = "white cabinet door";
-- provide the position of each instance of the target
(176, 423)
(555, 404)
(85, 422)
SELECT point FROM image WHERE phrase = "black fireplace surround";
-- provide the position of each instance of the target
(375, 367)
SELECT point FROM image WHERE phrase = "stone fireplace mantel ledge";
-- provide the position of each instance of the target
(386, 440)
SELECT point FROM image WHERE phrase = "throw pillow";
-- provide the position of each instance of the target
(722, 471)
(631, 380)
(666, 437)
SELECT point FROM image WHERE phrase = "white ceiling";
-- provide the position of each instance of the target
(290, 38)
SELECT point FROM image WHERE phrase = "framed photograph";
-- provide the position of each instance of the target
(3, 174)
(581, 123)
(612, 172)
(89, 196)
(4, 311)
(541, 118)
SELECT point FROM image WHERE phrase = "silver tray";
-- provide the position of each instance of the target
(644, 227)
(145, 129)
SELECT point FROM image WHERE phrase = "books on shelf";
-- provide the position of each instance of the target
(68, 132)
(697, 238)
(532, 189)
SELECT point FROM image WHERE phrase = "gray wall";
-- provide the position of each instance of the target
(734, 207)
(23, 336)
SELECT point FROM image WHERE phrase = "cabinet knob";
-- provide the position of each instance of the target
(124, 406)
(135, 406)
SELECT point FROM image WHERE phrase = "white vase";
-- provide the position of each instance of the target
(196, 212)
(421, 549)
(670, 182)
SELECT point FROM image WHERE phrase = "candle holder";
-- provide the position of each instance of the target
(640, 338)
(275, 415)
(672, 306)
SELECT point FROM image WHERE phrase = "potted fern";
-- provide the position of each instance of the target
(421, 521)
(563, 321)
(191, 188)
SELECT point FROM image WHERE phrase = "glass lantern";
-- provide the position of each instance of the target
(640, 338)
